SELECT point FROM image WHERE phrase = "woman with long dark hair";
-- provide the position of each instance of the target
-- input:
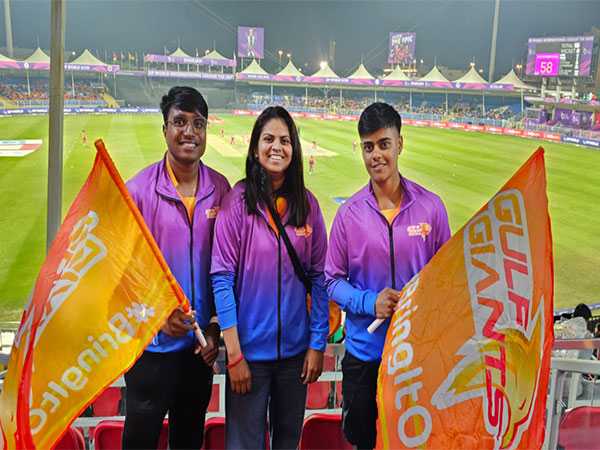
(267, 274)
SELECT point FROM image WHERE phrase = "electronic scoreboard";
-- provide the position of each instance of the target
(560, 56)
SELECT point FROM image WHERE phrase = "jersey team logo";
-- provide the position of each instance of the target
(211, 213)
(304, 231)
(421, 229)
(501, 362)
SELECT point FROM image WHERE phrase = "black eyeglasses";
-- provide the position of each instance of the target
(198, 125)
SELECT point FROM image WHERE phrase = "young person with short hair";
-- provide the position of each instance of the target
(380, 238)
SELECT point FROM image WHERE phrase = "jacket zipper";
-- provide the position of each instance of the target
(278, 297)
(392, 259)
(191, 224)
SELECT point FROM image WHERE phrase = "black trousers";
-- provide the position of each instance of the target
(179, 383)
(359, 403)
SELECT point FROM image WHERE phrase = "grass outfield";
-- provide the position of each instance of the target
(465, 169)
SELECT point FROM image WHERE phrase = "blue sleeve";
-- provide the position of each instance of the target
(356, 301)
(223, 283)
(319, 314)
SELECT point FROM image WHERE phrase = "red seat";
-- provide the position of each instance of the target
(107, 403)
(323, 431)
(317, 395)
(328, 363)
(338, 394)
(579, 429)
(108, 435)
(72, 440)
(214, 434)
(213, 406)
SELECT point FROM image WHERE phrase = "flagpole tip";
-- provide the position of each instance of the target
(99, 144)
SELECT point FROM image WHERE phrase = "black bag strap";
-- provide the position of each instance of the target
(300, 273)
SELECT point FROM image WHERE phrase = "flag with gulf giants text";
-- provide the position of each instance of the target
(101, 295)
(466, 360)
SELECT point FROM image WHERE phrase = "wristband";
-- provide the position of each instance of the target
(236, 361)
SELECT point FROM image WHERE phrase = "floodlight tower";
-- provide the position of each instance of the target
(494, 38)
(8, 28)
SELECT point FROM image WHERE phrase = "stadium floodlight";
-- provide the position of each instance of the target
(323, 64)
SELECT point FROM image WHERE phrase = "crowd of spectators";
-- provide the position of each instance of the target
(351, 105)
(83, 92)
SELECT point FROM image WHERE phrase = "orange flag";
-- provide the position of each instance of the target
(101, 295)
(466, 360)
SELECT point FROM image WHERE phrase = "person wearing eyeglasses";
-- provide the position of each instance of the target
(179, 198)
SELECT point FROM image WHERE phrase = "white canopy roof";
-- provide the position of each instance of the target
(86, 58)
(5, 58)
(512, 78)
(325, 72)
(290, 70)
(180, 52)
(397, 75)
(216, 55)
(435, 75)
(362, 73)
(471, 77)
(38, 56)
(254, 69)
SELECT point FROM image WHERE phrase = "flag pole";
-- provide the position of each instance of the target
(56, 116)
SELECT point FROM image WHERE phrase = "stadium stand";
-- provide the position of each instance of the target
(145, 92)
(82, 93)
(431, 105)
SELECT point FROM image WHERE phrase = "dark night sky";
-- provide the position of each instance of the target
(452, 31)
